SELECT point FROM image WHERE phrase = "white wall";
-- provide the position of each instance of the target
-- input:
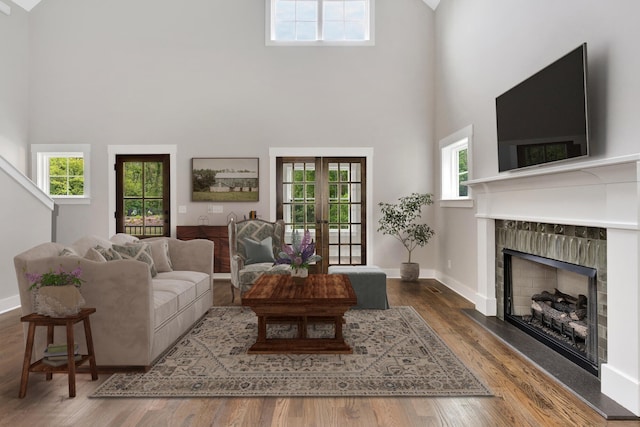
(197, 74)
(25, 223)
(486, 47)
(14, 72)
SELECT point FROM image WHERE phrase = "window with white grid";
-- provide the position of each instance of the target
(319, 22)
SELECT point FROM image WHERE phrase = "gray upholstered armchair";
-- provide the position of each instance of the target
(254, 245)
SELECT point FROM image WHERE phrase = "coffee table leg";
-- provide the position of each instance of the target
(303, 327)
(262, 329)
(338, 321)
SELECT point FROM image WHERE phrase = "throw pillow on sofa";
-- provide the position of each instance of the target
(108, 253)
(94, 255)
(160, 255)
(139, 252)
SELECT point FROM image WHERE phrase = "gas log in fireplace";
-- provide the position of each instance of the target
(554, 302)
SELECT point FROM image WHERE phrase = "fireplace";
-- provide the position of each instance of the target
(601, 198)
(541, 261)
(555, 302)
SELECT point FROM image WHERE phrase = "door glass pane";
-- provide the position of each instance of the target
(355, 234)
(356, 211)
(153, 218)
(356, 172)
(311, 214)
(333, 193)
(287, 193)
(132, 179)
(354, 193)
(298, 192)
(133, 217)
(153, 179)
(287, 172)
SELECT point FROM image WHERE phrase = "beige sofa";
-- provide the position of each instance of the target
(137, 316)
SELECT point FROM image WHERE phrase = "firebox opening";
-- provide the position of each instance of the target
(555, 302)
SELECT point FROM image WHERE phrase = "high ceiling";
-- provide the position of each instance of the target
(30, 4)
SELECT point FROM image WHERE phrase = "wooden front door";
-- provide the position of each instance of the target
(142, 195)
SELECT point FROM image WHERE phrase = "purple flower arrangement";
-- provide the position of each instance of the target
(59, 278)
(300, 253)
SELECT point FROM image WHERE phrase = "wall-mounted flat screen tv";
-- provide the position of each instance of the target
(544, 119)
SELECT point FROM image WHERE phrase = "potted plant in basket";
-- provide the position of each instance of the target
(400, 221)
(299, 254)
(57, 293)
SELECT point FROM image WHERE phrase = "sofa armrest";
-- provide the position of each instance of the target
(122, 295)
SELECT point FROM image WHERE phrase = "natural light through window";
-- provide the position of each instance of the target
(62, 171)
(455, 165)
(319, 22)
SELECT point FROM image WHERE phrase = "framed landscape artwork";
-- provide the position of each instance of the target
(223, 179)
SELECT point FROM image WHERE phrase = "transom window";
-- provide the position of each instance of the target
(62, 171)
(304, 22)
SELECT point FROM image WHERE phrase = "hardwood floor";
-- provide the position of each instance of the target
(524, 396)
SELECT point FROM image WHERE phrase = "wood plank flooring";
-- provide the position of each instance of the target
(524, 396)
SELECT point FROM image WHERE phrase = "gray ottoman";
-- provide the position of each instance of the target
(369, 283)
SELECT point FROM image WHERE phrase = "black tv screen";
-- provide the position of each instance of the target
(544, 119)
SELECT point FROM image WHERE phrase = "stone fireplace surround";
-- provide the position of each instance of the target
(601, 193)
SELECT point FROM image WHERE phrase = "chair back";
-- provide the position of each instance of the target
(256, 230)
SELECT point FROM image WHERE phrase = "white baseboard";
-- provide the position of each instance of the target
(461, 289)
(620, 387)
(9, 304)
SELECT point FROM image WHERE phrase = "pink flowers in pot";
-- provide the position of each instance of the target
(59, 278)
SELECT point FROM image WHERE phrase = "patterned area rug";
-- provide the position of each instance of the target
(395, 353)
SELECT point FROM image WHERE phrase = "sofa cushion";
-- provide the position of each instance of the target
(251, 272)
(184, 292)
(259, 252)
(201, 280)
(138, 252)
(160, 255)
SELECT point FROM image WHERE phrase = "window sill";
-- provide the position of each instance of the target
(318, 43)
(456, 203)
(72, 200)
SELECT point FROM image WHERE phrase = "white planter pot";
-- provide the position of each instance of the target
(57, 301)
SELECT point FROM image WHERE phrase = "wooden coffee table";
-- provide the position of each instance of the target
(277, 298)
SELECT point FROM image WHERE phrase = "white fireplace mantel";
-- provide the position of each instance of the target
(598, 193)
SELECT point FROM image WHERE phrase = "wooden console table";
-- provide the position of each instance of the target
(70, 368)
(218, 234)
